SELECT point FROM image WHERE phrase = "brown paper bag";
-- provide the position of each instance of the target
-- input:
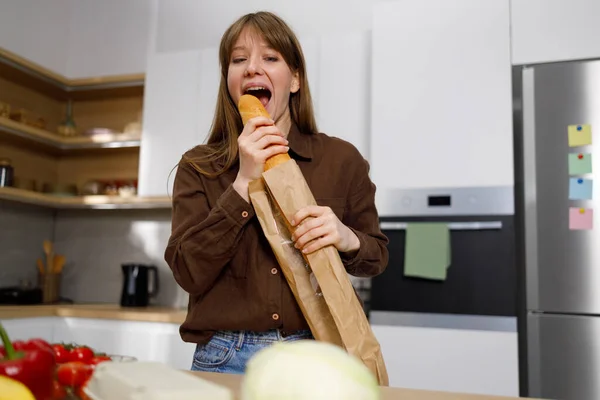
(318, 281)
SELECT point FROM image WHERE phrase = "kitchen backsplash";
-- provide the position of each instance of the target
(97, 243)
(23, 228)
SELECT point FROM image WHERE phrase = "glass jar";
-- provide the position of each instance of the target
(7, 173)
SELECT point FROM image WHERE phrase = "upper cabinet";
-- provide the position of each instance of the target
(343, 95)
(179, 103)
(554, 30)
(441, 106)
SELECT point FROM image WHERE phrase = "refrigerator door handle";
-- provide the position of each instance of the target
(453, 226)
(529, 207)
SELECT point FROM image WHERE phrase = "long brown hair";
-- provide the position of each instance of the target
(227, 124)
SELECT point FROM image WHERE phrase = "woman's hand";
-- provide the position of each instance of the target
(317, 227)
(260, 140)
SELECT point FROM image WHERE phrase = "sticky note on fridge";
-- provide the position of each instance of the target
(580, 189)
(580, 163)
(581, 218)
(580, 135)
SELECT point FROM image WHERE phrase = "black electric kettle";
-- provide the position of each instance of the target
(136, 289)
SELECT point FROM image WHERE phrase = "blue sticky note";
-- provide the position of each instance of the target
(580, 189)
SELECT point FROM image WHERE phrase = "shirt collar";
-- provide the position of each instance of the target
(300, 143)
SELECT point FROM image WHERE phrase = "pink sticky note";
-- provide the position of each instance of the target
(581, 218)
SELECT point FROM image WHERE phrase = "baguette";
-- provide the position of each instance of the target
(250, 107)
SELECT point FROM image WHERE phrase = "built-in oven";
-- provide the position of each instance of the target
(481, 279)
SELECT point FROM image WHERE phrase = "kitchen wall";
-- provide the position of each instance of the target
(37, 30)
(192, 24)
(22, 231)
(76, 38)
(95, 243)
(98, 242)
(108, 37)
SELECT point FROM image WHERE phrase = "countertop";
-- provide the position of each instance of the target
(101, 311)
(388, 393)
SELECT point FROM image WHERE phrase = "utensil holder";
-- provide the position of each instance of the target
(50, 285)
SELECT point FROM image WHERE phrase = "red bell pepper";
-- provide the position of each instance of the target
(33, 365)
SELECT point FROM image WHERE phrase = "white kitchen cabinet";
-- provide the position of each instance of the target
(210, 77)
(343, 96)
(311, 46)
(441, 109)
(179, 105)
(171, 119)
(453, 360)
(146, 341)
(554, 30)
(29, 328)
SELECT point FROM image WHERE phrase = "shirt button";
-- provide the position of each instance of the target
(245, 214)
(275, 316)
(274, 271)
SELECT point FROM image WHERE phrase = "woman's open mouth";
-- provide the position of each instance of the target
(261, 93)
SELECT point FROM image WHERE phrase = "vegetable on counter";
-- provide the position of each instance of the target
(32, 363)
(57, 371)
(73, 373)
(11, 389)
(308, 370)
(75, 367)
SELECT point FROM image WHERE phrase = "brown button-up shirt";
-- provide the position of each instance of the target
(219, 255)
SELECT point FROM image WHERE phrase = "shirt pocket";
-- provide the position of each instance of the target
(337, 205)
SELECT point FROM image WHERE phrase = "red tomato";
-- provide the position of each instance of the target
(73, 373)
(99, 359)
(80, 393)
(60, 393)
(60, 353)
(83, 354)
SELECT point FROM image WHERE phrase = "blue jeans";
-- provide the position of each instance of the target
(228, 351)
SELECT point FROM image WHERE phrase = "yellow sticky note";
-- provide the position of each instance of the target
(580, 135)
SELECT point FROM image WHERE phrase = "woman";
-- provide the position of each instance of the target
(239, 300)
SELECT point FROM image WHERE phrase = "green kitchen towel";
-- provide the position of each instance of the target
(427, 254)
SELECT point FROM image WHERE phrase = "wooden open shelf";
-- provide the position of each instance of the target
(40, 136)
(43, 160)
(83, 202)
(32, 75)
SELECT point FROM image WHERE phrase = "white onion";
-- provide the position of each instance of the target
(307, 370)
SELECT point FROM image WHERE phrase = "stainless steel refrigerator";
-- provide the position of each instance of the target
(557, 188)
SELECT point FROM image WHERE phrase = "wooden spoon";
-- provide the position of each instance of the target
(49, 251)
(40, 265)
(59, 262)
